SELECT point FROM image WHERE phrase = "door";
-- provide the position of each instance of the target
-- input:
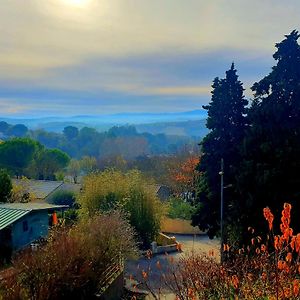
(5, 245)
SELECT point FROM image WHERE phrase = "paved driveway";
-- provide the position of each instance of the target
(197, 243)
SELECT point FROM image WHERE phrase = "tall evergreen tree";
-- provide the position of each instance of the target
(270, 172)
(5, 186)
(227, 123)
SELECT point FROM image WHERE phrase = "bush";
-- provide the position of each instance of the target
(63, 198)
(21, 191)
(128, 191)
(73, 262)
(177, 208)
(71, 216)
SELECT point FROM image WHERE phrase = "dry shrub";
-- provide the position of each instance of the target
(72, 262)
(264, 269)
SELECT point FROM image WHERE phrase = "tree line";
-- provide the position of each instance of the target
(122, 141)
(26, 157)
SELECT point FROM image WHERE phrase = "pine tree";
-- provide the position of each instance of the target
(227, 123)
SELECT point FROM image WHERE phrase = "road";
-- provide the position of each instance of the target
(196, 243)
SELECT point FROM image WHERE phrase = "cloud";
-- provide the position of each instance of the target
(125, 53)
(42, 34)
(167, 90)
(10, 106)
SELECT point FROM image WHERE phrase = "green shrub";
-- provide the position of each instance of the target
(130, 192)
(63, 198)
(178, 208)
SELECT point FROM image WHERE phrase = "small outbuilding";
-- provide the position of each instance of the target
(163, 192)
(23, 223)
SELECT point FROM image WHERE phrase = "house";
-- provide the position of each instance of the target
(163, 192)
(42, 190)
(23, 223)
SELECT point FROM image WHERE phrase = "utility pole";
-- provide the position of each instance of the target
(221, 173)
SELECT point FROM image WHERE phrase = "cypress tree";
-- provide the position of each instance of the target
(227, 123)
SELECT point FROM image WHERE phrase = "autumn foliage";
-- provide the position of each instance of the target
(185, 176)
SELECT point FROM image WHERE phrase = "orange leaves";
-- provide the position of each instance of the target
(286, 238)
(289, 257)
(282, 266)
(296, 287)
(269, 217)
(191, 294)
(297, 242)
(226, 247)
(145, 275)
(264, 276)
(286, 293)
(263, 248)
(187, 171)
(190, 164)
(235, 281)
(287, 211)
(179, 247)
(286, 231)
(276, 243)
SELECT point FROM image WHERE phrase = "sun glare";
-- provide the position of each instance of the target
(76, 3)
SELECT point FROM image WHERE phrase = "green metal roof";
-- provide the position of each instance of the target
(9, 216)
(11, 212)
(33, 206)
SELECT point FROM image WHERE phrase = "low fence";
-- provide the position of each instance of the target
(165, 244)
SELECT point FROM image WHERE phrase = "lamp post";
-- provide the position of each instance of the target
(221, 173)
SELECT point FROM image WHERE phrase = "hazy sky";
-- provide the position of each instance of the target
(70, 57)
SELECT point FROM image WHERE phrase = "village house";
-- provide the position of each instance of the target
(24, 223)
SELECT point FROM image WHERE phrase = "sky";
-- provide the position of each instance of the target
(93, 57)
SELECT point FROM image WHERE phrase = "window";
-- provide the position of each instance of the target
(25, 226)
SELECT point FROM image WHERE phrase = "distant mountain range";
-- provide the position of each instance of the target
(191, 123)
(195, 128)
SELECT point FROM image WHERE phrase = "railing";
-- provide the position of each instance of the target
(115, 268)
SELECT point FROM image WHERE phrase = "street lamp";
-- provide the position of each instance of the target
(221, 173)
